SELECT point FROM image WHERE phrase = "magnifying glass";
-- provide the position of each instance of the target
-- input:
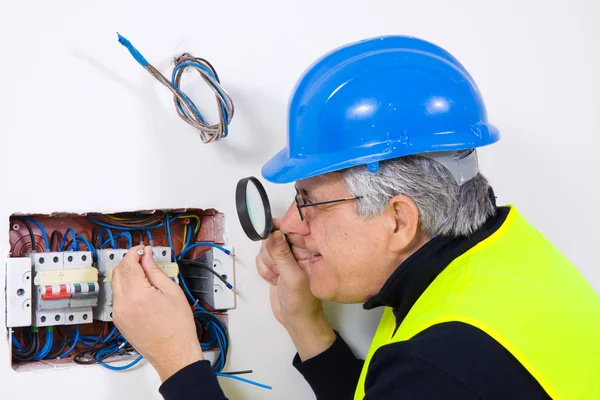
(253, 208)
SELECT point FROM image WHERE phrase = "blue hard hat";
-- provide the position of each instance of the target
(378, 99)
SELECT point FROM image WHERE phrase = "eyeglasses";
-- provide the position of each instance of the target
(301, 203)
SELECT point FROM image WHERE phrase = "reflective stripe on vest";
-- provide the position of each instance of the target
(522, 291)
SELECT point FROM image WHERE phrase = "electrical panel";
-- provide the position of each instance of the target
(63, 288)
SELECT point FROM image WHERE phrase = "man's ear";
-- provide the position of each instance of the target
(404, 216)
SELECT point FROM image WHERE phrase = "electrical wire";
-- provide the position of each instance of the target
(47, 345)
(121, 367)
(238, 378)
(216, 329)
(150, 240)
(186, 109)
(197, 218)
(32, 348)
(198, 244)
(64, 345)
(73, 240)
(111, 237)
(56, 236)
(127, 235)
(42, 230)
(209, 269)
(75, 340)
(126, 227)
(87, 244)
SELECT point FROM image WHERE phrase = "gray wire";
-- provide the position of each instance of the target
(208, 133)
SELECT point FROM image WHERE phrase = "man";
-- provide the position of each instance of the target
(392, 211)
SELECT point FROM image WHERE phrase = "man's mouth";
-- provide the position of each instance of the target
(316, 257)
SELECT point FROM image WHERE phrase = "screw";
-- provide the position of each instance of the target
(42, 260)
(83, 257)
(20, 292)
(71, 318)
(55, 259)
(111, 256)
(140, 252)
(43, 319)
(70, 258)
(16, 227)
(111, 315)
(84, 317)
(57, 317)
(164, 253)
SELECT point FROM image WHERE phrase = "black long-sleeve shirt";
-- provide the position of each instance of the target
(452, 360)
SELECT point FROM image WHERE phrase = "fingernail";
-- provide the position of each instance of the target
(278, 237)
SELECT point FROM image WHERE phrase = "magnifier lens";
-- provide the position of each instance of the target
(253, 208)
(256, 208)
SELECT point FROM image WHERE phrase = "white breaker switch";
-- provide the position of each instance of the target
(18, 292)
(108, 259)
(66, 288)
(224, 298)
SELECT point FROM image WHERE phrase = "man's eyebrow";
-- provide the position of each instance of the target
(303, 191)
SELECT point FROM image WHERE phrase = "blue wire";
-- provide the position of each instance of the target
(209, 72)
(185, 288)
(75, 340)
(111, 237)
(216, 330)
(16, 343)
(123, 367)
(88, 245)
(168, 226)
(197, 244)
(134, 52)
(127, 235)
(110, 335)
(64, 240)
(47, 346)
(243, 380)
(41, 228)
(126, 228)
(149, 234)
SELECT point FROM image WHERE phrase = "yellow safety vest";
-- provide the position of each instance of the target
(522, 291)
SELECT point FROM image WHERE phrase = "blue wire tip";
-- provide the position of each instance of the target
(134, 52)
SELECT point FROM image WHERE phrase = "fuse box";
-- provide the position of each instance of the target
(59, 272)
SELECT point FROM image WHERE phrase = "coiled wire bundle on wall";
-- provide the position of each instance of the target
(186, 109)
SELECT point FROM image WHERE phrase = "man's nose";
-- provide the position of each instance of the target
(291, 222)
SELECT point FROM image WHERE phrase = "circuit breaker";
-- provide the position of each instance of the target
(65, 288)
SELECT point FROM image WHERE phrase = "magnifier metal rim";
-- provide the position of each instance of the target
(242, 209)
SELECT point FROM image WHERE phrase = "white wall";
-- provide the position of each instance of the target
(85, 128)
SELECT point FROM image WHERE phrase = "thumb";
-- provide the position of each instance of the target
(282, 254)
(155, 275)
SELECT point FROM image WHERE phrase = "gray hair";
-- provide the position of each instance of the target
(445, 208)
